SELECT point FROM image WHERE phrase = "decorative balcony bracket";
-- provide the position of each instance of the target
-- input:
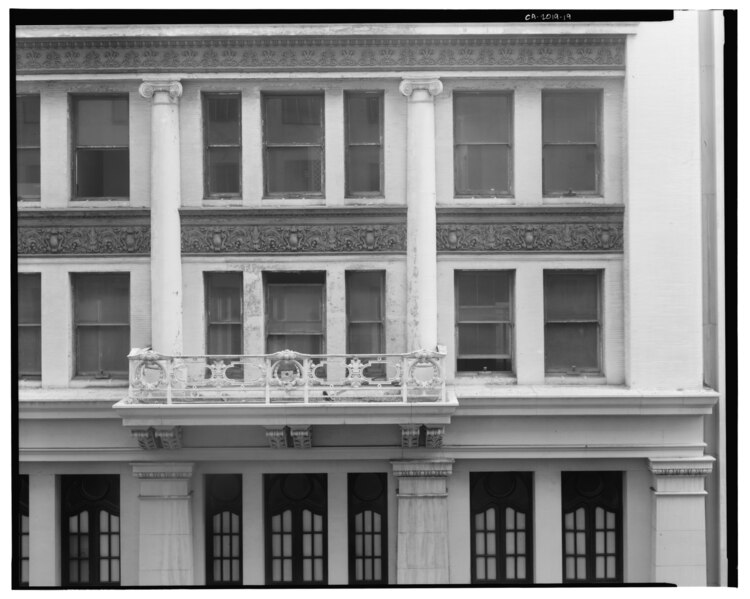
(410, 435)
(415, 435)
(283, 437)
(159, 438)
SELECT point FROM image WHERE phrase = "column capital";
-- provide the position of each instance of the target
(423, 468)
(432, 85)
(698, 467)
(149, 88)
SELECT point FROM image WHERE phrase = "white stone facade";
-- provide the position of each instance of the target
(644, 414)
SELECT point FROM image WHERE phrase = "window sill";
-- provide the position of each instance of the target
(278, 201)
(575, 379)
(485, 378)
(229, 202)
(84, 382)
(572, 200)
(484, 200)
(98, 202)
(30, 383)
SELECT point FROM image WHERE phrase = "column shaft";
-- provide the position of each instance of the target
(166, 265)
(421, 249)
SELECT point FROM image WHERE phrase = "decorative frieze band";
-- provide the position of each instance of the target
(163, 470)
(423, 468)
(515, 229)
(60, 233)
(301, 53)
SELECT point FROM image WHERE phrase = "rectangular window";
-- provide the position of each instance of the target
(482, 138)
(27, 148)
(101, 146)
(501, 528)
(570, 140)
(368, 528)
(296, 529)
(30, 325)
(295, 312)
(22, 541)
(90, 530)
(224, 317)
(364, 143)
(222, 141)
(571, 322)
(224, 529)
(484, 320)
(293, 137)
(101, 317)
(592, 526)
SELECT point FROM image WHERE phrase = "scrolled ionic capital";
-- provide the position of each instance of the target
(408, 86)
(149, 88)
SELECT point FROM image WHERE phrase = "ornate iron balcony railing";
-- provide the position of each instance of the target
(286, 377)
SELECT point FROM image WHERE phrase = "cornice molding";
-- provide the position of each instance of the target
(539, 229)
(69, 232)
(318, 53)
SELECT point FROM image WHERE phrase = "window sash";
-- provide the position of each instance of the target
(232, 149)
(89, 144)
(28, 147)
(356, 321)
(294, 109)
(356, 140)
(557, 138)
(470, 133)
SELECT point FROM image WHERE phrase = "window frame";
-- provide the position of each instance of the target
(74, 101)
(349, 275)
(480, 193)
(209, 282)
(265, 97)
(276, 503)
(29, 325)
(268, 282)
(510, 323)
(599, 275)
(73, 501)
(76, 278)
(206, 97)
(597, 144)
(348, 144)
(377, 505)
(214, 506)
(20, 99)
(481, 498)
(571, 502)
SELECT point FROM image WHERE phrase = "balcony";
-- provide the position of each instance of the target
(287, 389)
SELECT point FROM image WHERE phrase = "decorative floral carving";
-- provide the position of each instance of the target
(268, 238)
(83, 240)
(293, 53)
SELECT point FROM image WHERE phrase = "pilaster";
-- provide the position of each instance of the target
(166, 526)
(166, 264)
(421, 249)
(422, 548)
(679, 519)
(44, 531)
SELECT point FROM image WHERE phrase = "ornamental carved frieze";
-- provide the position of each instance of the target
(302, 53)
(67, 233)
(539, 230)
(293, 232)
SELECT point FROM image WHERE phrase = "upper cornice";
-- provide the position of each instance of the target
(244, 53)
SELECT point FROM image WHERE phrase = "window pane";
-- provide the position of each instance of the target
(482, 118)
(570, 168)
(365, 295)
(294, 119)
(363, 169)
(224, 292)
(30, 351)
(223, 170)
(102, 121)
(571, 296)
(103, 348)
(28, 172)
(294, 170)
(29, 299)
(304, 344)
(570, 117)
(27, 120)
(363, 113)
(483, 340)
(222, 120)
(103, 172)
(102, 298)
(295, 309)
(224, 339)
(483, 169)
(489, 290)
(365, 339)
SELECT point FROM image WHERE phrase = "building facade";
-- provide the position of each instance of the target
(383, 304)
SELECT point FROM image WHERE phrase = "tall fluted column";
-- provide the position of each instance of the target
(421, 248)
(166, 265)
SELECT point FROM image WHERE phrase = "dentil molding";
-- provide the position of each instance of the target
(313, 53)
